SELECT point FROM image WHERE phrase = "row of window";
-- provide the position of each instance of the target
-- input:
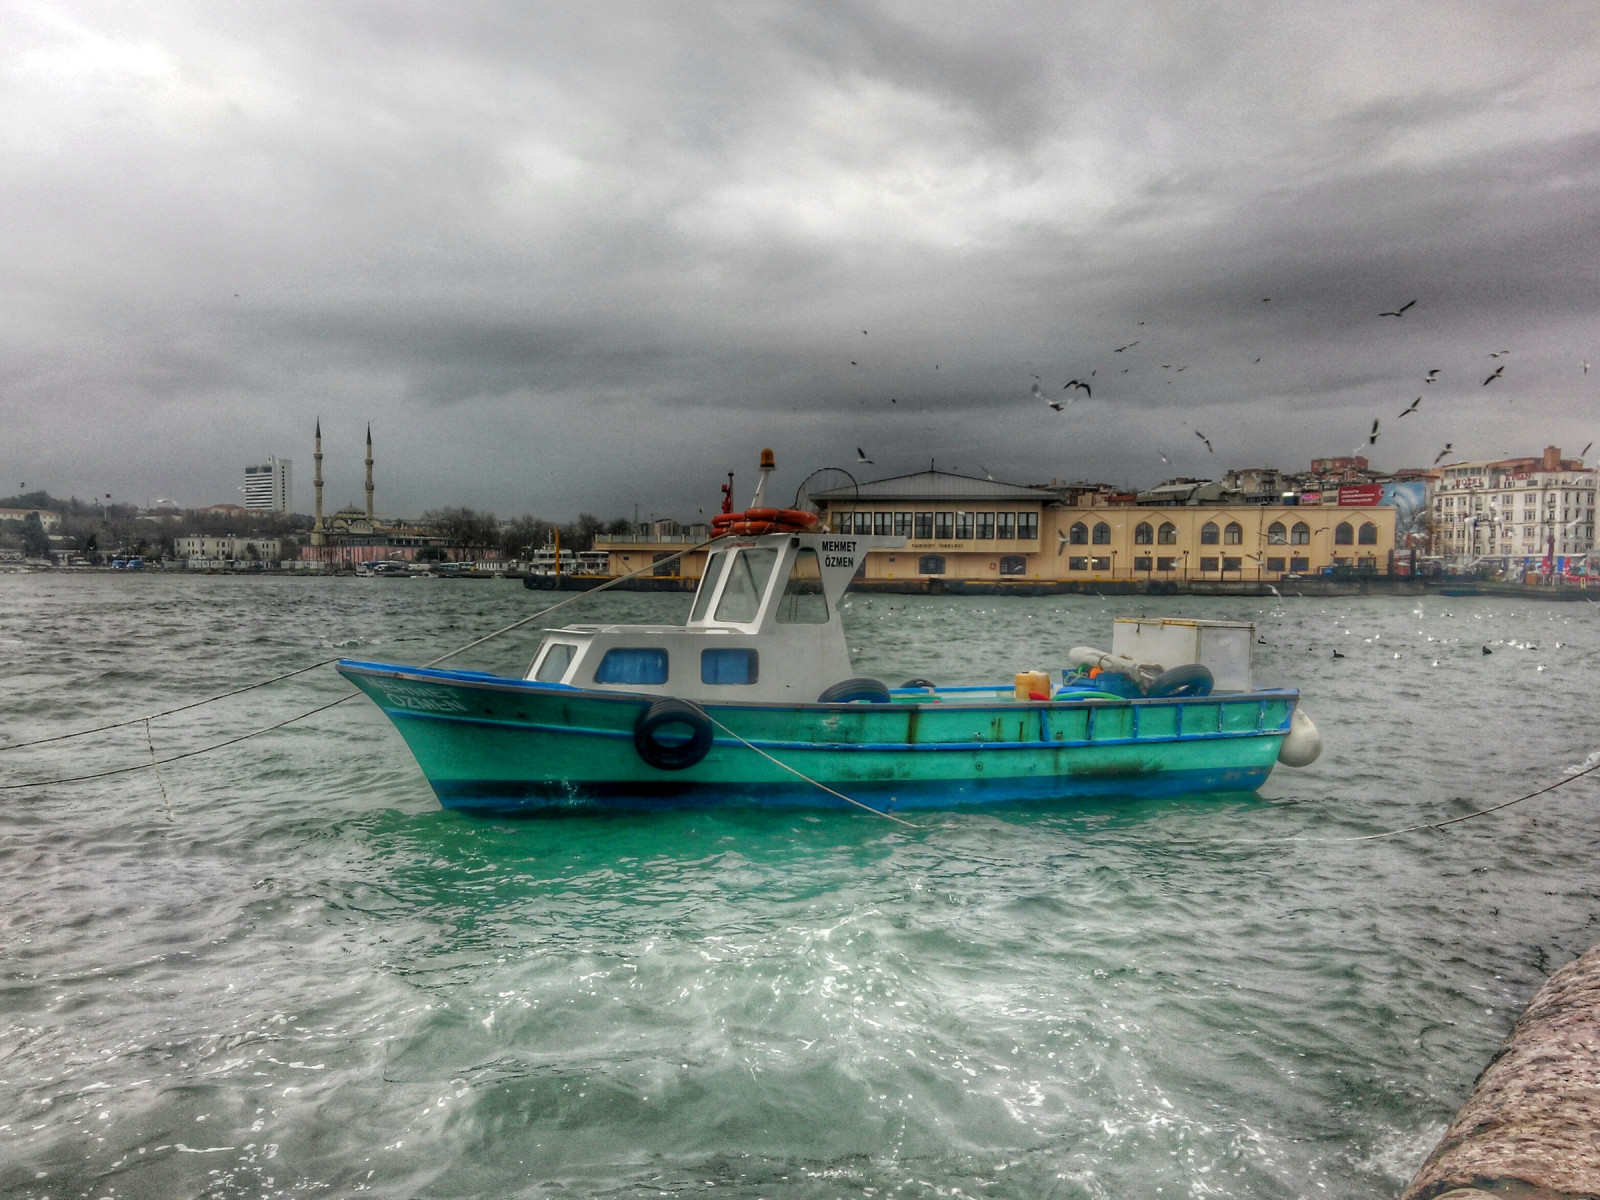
(1232, 534)
(1010, 564)
(946, 526)
(648, 665)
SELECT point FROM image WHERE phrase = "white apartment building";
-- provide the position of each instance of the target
(267, 487)
(1516, 512)
(229, 548)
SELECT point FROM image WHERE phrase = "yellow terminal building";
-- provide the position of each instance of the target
(960, 528)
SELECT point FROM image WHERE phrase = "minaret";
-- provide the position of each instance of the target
(369, 471)
(319, 535)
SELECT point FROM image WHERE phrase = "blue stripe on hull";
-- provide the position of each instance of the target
(518, 796)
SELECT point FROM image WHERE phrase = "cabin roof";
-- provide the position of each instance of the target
(933, 485)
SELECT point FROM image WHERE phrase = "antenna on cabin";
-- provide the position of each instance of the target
(769, 464)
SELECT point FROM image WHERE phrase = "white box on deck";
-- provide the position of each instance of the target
(1224, 647)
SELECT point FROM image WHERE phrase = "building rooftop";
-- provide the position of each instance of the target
(932, 486)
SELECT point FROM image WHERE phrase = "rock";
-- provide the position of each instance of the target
(1531, 1127)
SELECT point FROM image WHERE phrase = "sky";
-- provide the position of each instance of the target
(592, 256)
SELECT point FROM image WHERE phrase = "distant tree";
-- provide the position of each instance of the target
(91, 547)
(35, 541)
(464, 527)
(620, 525)
(525, 534)
(430, 554)
(580, 534)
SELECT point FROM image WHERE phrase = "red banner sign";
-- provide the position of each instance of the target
(1360, 495)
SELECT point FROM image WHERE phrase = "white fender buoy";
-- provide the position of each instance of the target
(1303, 743)
(1120, 664)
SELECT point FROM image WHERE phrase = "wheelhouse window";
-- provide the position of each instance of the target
(1368, 535)
(1277, 535)
(1233, 535)
(985, 527)
(1143, 534)
(1027, 526)
(803, 602)
(747, 581)
(930, 564)
(965, 524)
(1344, 534)
(729, 666)
(1167, 535)
(924, 525)
(557, 658)
(1079, 534)
(1013, 564)
(1300, 535)
(1006, 526)
(944, 525)
(1209, 535)
(902, 524)
(708, 586)
(641, 667)
(1102, 534)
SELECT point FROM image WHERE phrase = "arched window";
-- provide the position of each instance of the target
(1344, 535)
(1277, 535)
(1300, 535)
(1079, 535)
(1209, 533)
(1102, 534)
(1167, 535)
(1369, 534)
(1143, 535)
(1233, 535)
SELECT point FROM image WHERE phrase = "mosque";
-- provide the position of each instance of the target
(351, 536)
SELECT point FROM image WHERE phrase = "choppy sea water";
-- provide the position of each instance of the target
(289, 973)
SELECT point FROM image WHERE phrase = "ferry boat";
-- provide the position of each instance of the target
(753, 701)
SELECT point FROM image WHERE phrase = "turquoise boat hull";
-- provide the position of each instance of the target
(489, 743)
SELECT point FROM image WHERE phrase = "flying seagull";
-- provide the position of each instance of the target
(1372, 438)
(1057, 405)
(1497, 373)
(1430, 376)
(1206, 440)
(1037, 391)
(1410, 410)
(1449, 448)
(1129, 346)
(1585, 450)
(1498, 353)
(1399, 312)
(861, 457)
(1077, 383)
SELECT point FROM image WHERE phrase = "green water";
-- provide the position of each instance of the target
(296, 976)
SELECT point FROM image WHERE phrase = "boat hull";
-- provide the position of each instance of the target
(492, 744)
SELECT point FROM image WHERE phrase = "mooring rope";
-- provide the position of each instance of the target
(245, 737)
(1482, 812)
(877, 812)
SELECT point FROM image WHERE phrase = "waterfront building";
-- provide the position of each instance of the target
(657, 544)
(353, 535)
(268, 486)
(228, 548)
(1517, 515)
(48, 520)
(962, 528)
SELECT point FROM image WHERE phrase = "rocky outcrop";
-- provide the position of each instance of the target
(1531, 1127)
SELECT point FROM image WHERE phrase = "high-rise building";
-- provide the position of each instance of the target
(267, 487)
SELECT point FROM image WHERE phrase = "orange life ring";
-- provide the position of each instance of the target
(756, 521)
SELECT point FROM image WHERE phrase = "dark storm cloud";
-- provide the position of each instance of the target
(591, 257)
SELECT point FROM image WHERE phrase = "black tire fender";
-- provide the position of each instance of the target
(673, 755)
(847, 690)
(919, 683)
(1190, 679)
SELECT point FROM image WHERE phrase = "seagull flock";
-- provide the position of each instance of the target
(1057, 402)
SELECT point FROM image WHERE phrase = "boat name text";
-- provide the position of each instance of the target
(418, 699)
(838, 548)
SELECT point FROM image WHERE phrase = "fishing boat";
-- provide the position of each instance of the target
(753, 701)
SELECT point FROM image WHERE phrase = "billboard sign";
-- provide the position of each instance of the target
(1360, 495)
